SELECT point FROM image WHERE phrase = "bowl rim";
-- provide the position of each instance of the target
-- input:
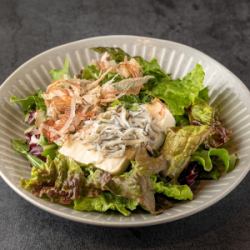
(141, 223)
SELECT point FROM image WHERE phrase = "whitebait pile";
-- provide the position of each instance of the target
(117, 129)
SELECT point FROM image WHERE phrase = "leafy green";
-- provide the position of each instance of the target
(181, 120)
(21, 147)
(204, 157)
(145, 97)
(105, 201)
(219, 135)
(148, 164)
(175, 191)
(215, 162)
(131, 102)
(57, 74)
(116, 54)
(203, 94)
(181, 93)
(215, 174)
(96, 179)
(49, 149)
(152, 68)
(42, 176)
(135, 185)
(60, 180)
(29, 103)
(202, 112)
(112, 76)
(232, 162)
(128, 102)
(90, 72)
(180, 145)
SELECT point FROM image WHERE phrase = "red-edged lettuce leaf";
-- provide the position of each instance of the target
(60, 180)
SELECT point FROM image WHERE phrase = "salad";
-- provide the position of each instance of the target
(121, 135)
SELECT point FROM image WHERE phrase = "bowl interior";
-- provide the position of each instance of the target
(226, 92)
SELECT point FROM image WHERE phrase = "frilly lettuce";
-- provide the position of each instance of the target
(57, 74)
(219, 135)
(96, 179)
(135, 185)
(181, 93)
(106, 201)
(152, 68)
(201, 112)
(175, 191)
(60, 180)
(204, 157)
(180, 145)
(63, 181)
(30, 103)
(90, 72)
(131, 102)
(215, 162)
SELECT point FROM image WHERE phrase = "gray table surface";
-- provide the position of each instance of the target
(219, 28)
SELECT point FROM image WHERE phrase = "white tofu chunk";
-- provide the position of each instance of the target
(80, 153)
(160, 115)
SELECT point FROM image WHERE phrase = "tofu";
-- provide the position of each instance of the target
(160, 115)
(80, 153)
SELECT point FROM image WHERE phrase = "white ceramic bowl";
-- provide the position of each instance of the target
(226, 91)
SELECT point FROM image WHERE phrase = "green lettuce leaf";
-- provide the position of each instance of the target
(181, 120)
(131, 102)
(134, 185)
(216, 161)
(30, 103)
(21, 147)
(152, 68)
(57, 74)
(177, 192)
(96, 179)
(44, 175)
(116, 54)
(180, 145)
(203, 94)
(49, 149)
(90, 72)
(204, 158)
(60, 180)
(201, 112)
(181, 93)
(105, 201)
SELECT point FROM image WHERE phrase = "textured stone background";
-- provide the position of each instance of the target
(219, 28)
